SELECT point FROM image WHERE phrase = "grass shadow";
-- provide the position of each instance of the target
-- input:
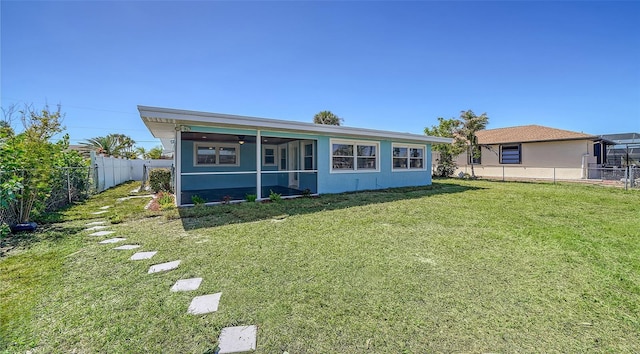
(45, 232)
(202, 216)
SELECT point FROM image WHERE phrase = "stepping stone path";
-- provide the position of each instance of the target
(187, 284)
(143, 255)
(113, 240)
(102, 233)
(127, 247)
(204, 304)
(93, 228)
(237, 339)
(162, 267)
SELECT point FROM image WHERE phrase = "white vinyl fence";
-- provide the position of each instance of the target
(110, 171)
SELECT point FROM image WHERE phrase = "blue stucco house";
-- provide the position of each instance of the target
(227, 157)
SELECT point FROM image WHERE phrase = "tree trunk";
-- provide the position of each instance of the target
(470, 157)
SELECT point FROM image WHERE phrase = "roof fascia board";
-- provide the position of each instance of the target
(592, 138)
(182, 117)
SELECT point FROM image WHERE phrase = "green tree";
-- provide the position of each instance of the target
(155, 153)
(27, 162)
(141, 152)
(446, 128)
(118, 145)
(326, 117)
(469, 125)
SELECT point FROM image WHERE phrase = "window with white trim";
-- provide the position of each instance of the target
(216, 154)
(308, 156)
(354, 156)
(408, 157)
(269, 155)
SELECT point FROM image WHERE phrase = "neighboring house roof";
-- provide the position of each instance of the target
(163, 122)
(529, 133)
(623, 138)
(82, 149)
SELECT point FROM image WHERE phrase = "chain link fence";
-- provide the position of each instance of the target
(67, 185)
(629, 176)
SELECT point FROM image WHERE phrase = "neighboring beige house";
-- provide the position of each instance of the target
(534, 151)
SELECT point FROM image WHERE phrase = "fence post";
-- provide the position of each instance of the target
(503, 173)
(626, 177)
(554, 175)
(68, 185)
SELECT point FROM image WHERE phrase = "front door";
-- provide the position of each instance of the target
(294, 164)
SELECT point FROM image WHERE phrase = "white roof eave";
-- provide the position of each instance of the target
(163, 122)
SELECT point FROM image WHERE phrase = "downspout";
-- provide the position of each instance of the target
(583, 174)
(177, 160)
(258, 165)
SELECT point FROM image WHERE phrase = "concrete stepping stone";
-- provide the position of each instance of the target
(99, 212)
(113, 240)
(95, 223)
(105, 207)
(204, 304)
(187, 284)
(143, 255)
(94, 228)
(127, 247)
(238, 339)
(102, 233)
(162, 267)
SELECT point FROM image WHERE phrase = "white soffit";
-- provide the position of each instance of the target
(163, 122)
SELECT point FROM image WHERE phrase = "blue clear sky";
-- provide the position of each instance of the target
(382, 65)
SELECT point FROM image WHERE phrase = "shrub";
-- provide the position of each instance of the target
(197, 200)
(4, 230)
(251, 197)
(160, 180)
(166, 201)
(306, 193)
(275, 197)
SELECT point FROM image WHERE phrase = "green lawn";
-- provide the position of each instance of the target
(462, 266)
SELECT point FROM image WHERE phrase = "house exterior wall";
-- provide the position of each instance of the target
(338, 182)
(539, 160)
(324, 181)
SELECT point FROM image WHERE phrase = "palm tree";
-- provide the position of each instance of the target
(155, 153)
(141, 152)
(107, 145)
(326, 117)
(469, 124)
(118, 145)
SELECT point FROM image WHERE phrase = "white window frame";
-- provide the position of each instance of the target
(304, 154)
(355, 144)
(217, 146)
(275, 155)
(409, 147)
